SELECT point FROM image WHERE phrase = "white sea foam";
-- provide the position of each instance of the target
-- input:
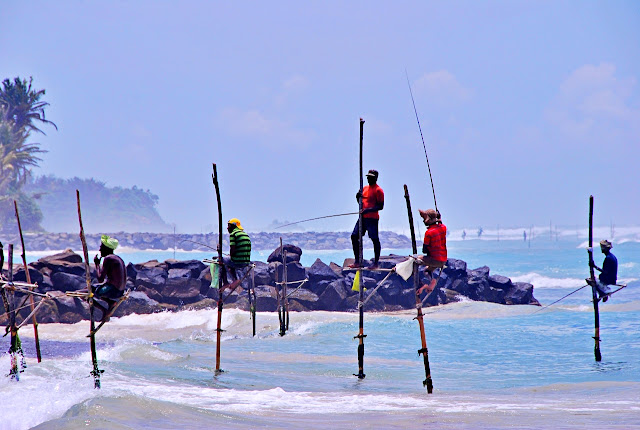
(541, 281)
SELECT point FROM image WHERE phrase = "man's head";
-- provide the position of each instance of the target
(372, 176)
(605, 246)
(233, 223)
(107, 245)
(430, 216)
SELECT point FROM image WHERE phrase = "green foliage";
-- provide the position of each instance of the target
(104, 209)
(21, 108)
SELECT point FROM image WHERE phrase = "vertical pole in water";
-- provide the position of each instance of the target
(14, 349)
(279, 291)
(87, 270)
(594, 293)
(214, 177)
(360, 260)
(416, 283)
(28, 278)
(285, 300)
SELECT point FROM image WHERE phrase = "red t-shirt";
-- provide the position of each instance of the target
(372, 196)
(435, 238)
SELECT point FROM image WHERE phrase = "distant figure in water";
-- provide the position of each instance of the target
(608, 273)
(239, 250)
(524, 234)
(434, 246)
(112, 276)
(372, 202)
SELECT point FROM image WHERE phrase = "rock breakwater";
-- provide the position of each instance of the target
(174, 285)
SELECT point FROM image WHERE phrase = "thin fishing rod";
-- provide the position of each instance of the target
(423, 144)
(562, 298)
(313, 219)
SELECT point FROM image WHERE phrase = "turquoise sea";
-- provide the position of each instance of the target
(493, 366)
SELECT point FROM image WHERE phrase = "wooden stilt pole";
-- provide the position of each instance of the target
(28, 278)
(96, 372)
(219, 330)
(594, 292)
(360, 260)
(416, 283)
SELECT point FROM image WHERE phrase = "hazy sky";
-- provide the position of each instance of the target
(527, 107)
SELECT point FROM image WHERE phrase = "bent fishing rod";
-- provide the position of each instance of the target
(313, 219)
(423, 144)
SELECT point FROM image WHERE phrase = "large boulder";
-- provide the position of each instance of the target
(500, 282)
(137, 303)
(68, 282)
(35, 276)
(305, 297)
(261, 274)
(333, 296)
(181, 290)
(455, 268)
(154, 277)
(521, 294)
(266, 298)
(293, 254)
(295, 271)
(193, 267)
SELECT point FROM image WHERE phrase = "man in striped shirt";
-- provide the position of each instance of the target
(434, 246)
(240, 249)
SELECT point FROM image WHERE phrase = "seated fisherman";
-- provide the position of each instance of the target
(239, 250)
(434, 246)
(112, 276)
(608, 273)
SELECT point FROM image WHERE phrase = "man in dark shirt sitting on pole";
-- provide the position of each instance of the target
(608, 273)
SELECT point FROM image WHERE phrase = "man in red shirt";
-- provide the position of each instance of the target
(372, 202)
(434, 246)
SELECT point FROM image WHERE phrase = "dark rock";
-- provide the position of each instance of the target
(67, 255)
(151, 277)
(150, 292)
(70, 318)
(266, 298)
(500, 282)
(193, 266)
(68, 282)
(455, 268)
(20, 275)
(48, 313)
(295, 271)
(480, 272)
(181, 290)
(521, 294)
(296, 306)
(261, 274)
(132, 272)
(204, 304)
(321, 272)
(137, 303)
(336, 268)
(305, 297)
(333, 296)
(293, 254)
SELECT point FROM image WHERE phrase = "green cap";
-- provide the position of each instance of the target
(109, 242)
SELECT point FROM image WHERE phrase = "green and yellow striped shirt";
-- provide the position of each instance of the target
(240, 239)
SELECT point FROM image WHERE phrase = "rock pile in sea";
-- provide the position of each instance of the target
(174, 285)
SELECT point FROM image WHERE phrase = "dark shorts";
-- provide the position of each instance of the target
(108, 291)
(369, 225)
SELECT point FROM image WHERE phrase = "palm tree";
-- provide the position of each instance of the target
(22, 105)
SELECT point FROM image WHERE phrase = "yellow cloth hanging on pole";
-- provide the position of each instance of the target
(356, 282)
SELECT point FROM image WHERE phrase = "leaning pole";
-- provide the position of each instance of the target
(594, 293)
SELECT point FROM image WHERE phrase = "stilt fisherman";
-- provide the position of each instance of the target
(112, 276)
(239, 250)
(434, 246)
(372, 202)
(608, 273)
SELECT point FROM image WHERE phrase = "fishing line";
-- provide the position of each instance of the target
(423, 144)
(562, 298)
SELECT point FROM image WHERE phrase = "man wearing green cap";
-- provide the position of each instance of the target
(112, 276)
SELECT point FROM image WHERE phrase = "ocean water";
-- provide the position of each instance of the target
(493, 366)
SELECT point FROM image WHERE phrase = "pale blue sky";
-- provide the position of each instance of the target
(527, 107)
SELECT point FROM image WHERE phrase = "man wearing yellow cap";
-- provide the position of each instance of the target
(240, 248)
(112, 275)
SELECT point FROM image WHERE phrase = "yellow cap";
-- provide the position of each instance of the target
(235, 221)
